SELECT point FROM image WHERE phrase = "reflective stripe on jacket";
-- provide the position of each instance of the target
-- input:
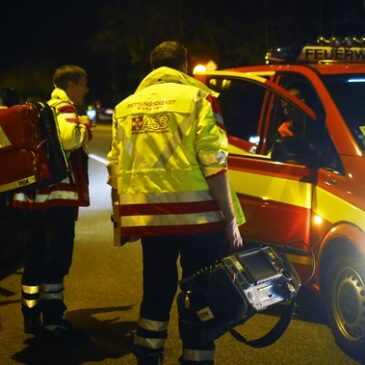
(166, 142)
(73, 190)
(179, 213)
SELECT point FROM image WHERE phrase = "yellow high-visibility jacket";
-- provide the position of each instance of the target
(166, 143)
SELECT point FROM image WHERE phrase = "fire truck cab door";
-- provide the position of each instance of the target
(275, 190)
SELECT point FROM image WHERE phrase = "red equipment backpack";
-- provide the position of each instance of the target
(31, 154)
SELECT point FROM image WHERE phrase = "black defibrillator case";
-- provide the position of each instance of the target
(224, 295)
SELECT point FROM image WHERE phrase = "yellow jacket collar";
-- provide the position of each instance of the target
(61, 95)
(167, 74)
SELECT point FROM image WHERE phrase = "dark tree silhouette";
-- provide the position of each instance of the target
(112, 38)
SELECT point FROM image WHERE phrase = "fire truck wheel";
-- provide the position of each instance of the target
(345, 304)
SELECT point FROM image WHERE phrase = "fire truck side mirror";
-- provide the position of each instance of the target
(293, 150)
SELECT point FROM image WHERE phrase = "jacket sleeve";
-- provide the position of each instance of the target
(73, 133)
(212, 149)
(211, 140)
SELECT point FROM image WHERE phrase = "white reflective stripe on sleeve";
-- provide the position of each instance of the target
(31, 289)
(54, 195)
(183, 196)
(65, 195)
(69, 115)
(198, 355)
(150, 325)
(150, 343)
(176, 219)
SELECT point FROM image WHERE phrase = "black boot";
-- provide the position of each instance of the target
(55, 327)
(186, 362)
(32, 320)
(146, 356)
(63, 331)
(150, 359)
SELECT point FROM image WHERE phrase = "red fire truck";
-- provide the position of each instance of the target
(302, 187)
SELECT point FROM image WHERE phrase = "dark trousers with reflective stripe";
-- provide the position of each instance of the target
(160, 272)
(49, 247)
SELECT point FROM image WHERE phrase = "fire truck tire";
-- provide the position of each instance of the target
(345, 304)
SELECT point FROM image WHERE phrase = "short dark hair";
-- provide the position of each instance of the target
(68, 73)
(170, 54)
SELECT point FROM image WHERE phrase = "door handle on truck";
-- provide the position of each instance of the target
(330, 181)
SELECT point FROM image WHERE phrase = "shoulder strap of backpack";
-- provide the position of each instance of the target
(58, 162)
(273, 335)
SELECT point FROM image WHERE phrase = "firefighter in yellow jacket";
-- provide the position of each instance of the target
(168, 166)
(51, 213)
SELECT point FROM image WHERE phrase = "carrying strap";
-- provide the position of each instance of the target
(273, 335)
(59, 161)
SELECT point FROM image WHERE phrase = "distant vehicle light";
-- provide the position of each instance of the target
(199, 69)
(91, 113)
(211, 66)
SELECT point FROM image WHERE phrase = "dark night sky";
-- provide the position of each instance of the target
(48, 34)
(33, 28)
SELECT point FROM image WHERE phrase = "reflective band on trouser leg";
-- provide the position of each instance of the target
(30, 295)
(31, 289)
(52, 291)
(198, 356)
(151, 334)
(53, 307)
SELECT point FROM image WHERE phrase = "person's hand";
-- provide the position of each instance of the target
(85, 121)
(233, 236)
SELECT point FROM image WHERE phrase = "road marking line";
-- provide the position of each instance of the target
(98, 158)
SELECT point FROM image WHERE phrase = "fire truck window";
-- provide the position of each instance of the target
(241, 103)
(328, 156)
(307, 92)
(293, 121)
(289, 121)
(347, 92)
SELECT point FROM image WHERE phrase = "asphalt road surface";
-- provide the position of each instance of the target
(103, 291)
